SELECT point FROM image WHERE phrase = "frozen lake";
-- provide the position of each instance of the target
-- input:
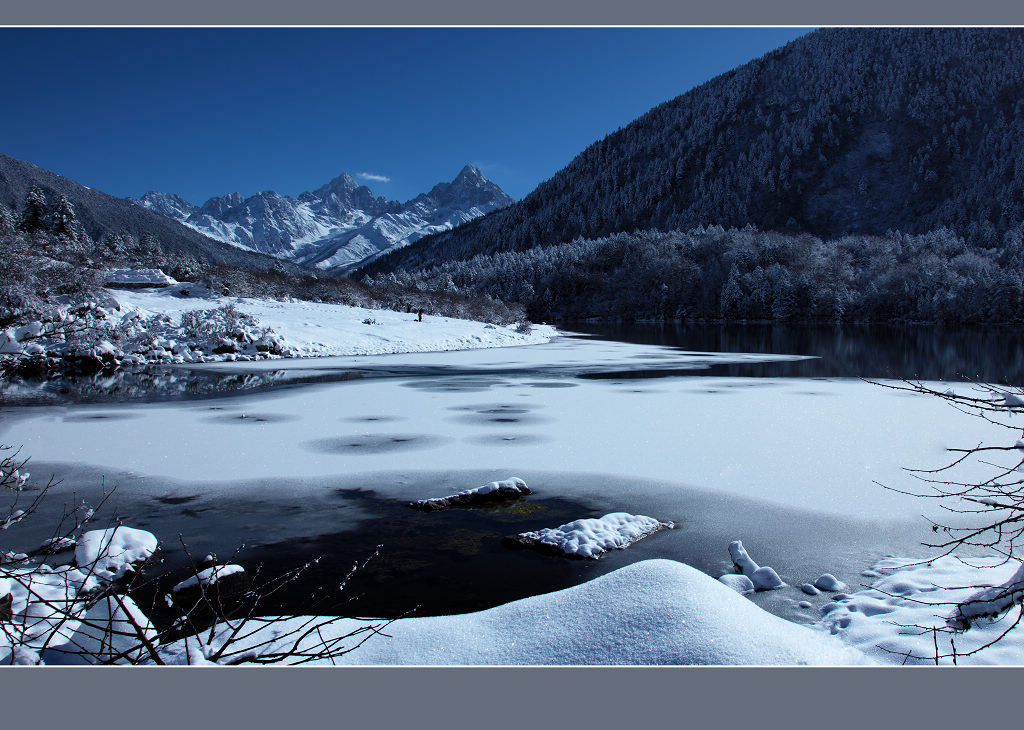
(319, 458)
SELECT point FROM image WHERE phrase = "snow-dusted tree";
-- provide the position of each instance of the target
(35, 212)
(65, 223)
(8, 222)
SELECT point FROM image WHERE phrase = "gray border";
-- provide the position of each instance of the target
(519, 12)
(505, 697)
(491, 698)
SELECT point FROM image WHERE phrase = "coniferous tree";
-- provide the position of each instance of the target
(65, 223)
(35, 212)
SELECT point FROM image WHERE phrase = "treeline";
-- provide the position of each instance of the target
(745, 274)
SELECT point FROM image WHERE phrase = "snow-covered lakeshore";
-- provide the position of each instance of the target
(184, 323)
(806, 447)
(316, 329)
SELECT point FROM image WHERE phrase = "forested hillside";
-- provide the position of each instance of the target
(841, 131)
(737, 274)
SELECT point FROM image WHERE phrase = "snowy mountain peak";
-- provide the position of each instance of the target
(167, 204)
(471, 173)
(339, 224)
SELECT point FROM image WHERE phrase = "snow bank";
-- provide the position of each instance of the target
(906, 614)
(111, 553)
(480, 495)
(317, 329)
(654, 612)
(588, 538)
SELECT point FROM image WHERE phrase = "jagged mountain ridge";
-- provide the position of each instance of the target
(339, 224)
(842, 131)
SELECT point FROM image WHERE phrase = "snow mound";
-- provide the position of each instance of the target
(653, 612)
(111, 553)
(480, 495)
(589, 538)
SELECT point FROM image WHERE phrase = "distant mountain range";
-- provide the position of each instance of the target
(842, 131)
(336, 226)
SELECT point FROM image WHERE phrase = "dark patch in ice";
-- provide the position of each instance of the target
(373, 419)
(491, 408)
(374, 443)
(110, 416)
(521, 439)
(502, 418)
(454, 384)
(551, 384)
(252, 418)
(170, 499)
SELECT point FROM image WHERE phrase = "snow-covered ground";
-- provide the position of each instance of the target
(315, 329)
(905, 616)
(653, 612)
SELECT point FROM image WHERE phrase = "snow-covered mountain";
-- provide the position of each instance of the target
(337, 225)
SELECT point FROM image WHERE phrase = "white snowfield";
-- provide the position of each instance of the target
(653, 612)
(317, 329)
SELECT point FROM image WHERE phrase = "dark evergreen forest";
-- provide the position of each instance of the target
(855, 143)
(735, 274)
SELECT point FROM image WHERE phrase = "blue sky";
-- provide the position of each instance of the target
(203, 112)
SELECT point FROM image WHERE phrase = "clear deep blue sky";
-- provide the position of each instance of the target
(203, 112)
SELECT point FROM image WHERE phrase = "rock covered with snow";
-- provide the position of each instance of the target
(57, 545)
(111, 554)
(739, 583)
(762, 578)
(216, 584)
(491, 492)
(589, 538)
(828, 582)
